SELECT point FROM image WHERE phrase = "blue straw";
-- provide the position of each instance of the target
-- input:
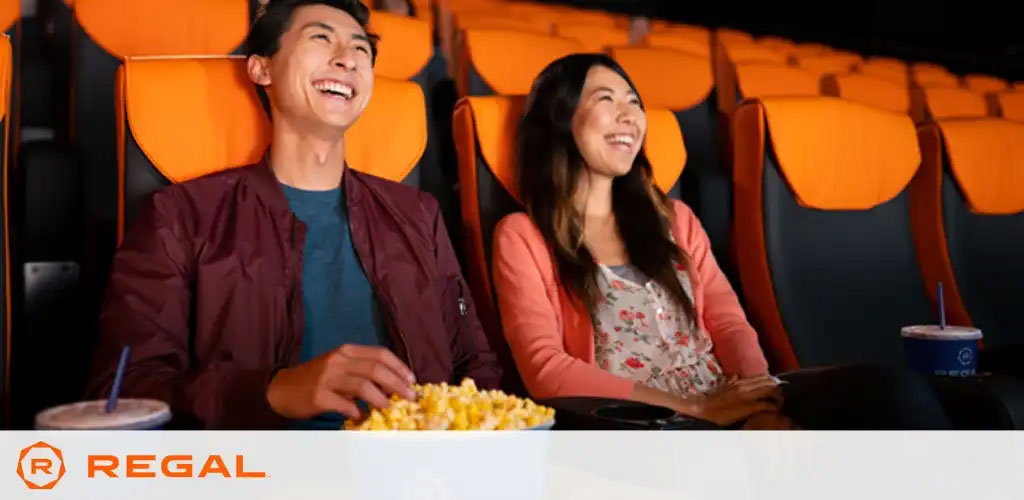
(118, 377)
(942, 309)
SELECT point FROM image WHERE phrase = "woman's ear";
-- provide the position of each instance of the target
(259, 70)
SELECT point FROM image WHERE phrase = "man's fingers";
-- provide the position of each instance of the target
(361, 388)
(381, 355)
(327, 400)
(380, 374)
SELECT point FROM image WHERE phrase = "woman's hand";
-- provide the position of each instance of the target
(769, 421)
(735, 401)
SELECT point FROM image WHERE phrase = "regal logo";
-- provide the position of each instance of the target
(41, 466)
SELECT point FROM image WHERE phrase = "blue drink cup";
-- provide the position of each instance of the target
(950, 351)
(130, 414)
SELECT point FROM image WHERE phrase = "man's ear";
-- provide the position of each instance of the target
(259, 70)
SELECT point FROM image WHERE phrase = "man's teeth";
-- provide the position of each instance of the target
(336, 88)
(621, 139)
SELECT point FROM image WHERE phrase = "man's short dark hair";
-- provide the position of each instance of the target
(275, 19)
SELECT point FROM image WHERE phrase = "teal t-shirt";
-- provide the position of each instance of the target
(340, 307)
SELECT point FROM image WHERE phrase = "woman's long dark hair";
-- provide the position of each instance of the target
(550, 166)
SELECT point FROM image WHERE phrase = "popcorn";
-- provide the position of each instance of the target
(462, 407)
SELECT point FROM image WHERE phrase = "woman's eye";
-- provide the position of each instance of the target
(605, 98)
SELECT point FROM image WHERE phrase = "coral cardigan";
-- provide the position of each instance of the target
(552, 336)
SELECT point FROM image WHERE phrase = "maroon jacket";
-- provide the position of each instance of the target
(206, 290)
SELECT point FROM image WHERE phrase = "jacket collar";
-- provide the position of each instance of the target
(262, 179)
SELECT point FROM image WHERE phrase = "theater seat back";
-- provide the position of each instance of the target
(487, 54)
(822, 228)
(216, 121)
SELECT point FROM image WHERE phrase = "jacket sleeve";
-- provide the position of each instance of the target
(148, 307)
(472, 355)
(735, 341)
(529, 318)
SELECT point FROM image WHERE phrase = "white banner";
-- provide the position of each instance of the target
(511, 465)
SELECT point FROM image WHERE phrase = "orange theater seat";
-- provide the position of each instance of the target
(10, 25)
(485, 138)
(936, 103)
(491, 20)
(487, 53)
(967, 207)
(870, 90)
(181, 118)
(825, 64)
(731, 35)
(696, 43)
(727, 56)
(777, 43)
(1011, 105)
(105, 32)
(593, 38)
(758, 79)
(808, 49)
(822, 229)
(985, 83)
(932, 75)
(893, 70)
(405, 48)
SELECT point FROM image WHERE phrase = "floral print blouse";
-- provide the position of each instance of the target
(642, 334)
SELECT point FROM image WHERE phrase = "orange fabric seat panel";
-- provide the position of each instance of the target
(775, 80)
(751, 52)
(477, 21)
(406, 45)
(1018, 85)
(730, 35)
(820, 145)
(10, 13)
(877, 92)
(1011, 105)
(666, 78)
(126, 28)
(389, 138)
(810, 49)
(194, 116)
(945, 102)
(929, 76)
(697, 45)
(593, 38)
(497, 118)
(987, 159)
(6, 77)
(893, 70)
(985, 83)
(828, 63)
(777, 43)
(686, 30)
(492, 53)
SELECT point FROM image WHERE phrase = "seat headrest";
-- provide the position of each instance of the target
(986, 157)
(126, 28)
(496, 120)
(892, 70)
(593, 38)
(10, 13)
(405, 47)
(488, 21)
(841, 155)
(757, 79)
(698, 45)
(492, 53)
(930, 75)
(951, 102)
(778, 44)
(1011, 104)
(666, 78)
(751, 52)
(985, 83)
(729, 35)
(874, 91)
(808, 49)
(6, 74)
(828, 63)
(195, 116)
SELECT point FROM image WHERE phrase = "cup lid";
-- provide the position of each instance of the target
(92, 415)
(934, 332)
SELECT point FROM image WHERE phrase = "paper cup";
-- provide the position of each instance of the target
(952, 351)
(130, 414)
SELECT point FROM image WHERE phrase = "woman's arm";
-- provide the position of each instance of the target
(736, 344)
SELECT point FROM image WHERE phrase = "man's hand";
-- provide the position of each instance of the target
(334, 381)
(769, 421)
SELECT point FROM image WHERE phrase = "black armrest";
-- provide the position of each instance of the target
(584, 413)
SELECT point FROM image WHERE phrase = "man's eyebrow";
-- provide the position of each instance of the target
(361, 36)
(318, 24)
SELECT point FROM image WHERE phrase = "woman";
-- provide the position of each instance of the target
(608, 288)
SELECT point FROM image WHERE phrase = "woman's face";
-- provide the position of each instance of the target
(609, 126)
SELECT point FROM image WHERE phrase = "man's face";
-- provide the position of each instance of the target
(323, 72)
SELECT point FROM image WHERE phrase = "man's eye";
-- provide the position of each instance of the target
(321, 36)
(363, 48)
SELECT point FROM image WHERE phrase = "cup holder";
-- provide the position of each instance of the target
(634, 412)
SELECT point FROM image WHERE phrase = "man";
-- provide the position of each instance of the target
(291, 292)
